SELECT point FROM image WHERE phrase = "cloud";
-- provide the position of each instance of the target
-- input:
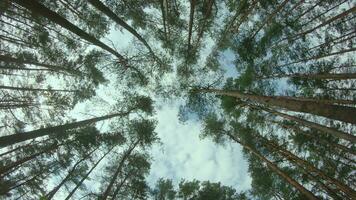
(183, 155)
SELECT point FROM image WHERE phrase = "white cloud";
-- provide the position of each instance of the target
(183, 155)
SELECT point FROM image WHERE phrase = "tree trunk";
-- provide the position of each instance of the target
(100, 6)
(118, 187)
(304, 164)
(269, 18)
(16, 138)
(326, 11)
(51, 194)
(4, 87)
(318, 57)
(119, 169)
(87, 174)
(276, 169)
(337, 112)
(7, 58)
(10, 166)
(341, 76)
(322, 129)
(191, 20)
(38, 8)
(339, 16)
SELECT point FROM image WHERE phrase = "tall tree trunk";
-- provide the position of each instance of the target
(332, 145)
(118, 170)
(277, 170)
(339, 16)
(204, 23)
(340, 76)
(7, 58)
(16, 138)
(334, 40)
(51, 194)
(100, 6)
(191, 21)
(164, 20)
(326, 11)
(337, 112)
(269, 18)
(318, 57)
(304, 164)
(4, 87)
(38, 8)
(17, 163)
(87, 174)
(118, 187)
(322, 129)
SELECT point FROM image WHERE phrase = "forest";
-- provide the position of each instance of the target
(83, 83)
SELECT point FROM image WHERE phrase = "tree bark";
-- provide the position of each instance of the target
(191, 20)
(269, 18)
(304, 164)
(16, 138)
(322, 129)
(318, 57)
(51, 194)
(339, 16)
(7, 58)
(38, 8)
(87, 174)
(278, 171)
(337, 112)
(340, 76)
(100, 6)
(118, 170)
(12, 165)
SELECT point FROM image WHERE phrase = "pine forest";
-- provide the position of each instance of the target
(177, 99)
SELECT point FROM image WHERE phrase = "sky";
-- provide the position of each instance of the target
(181, 153)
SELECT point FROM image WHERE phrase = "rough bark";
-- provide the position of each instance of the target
(277, 170)
(16, 138)
(337, 112)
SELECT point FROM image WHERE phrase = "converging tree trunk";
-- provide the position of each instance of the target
(16, 138)
(277, 170)
(337, 112)
(119, 169)
(87, 174)
(38, 8)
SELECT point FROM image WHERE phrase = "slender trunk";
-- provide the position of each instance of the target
(118, 187)
(321, 14)
(339, 16)
(33, 89)
(16, 138)
(22, 146)
(118, 170)
(269, 18)
(7, 58)
(164, 19)
(204, 23)
(322, 129)
(191, 20)
(332, 145)
(277, 170)
(51, 194)
(38, 8)
(17, 163)
(87, 174)
(334, 40)
(318, 57)
(337, 112)
(305, 165)
(341, 76)
(100, 6)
